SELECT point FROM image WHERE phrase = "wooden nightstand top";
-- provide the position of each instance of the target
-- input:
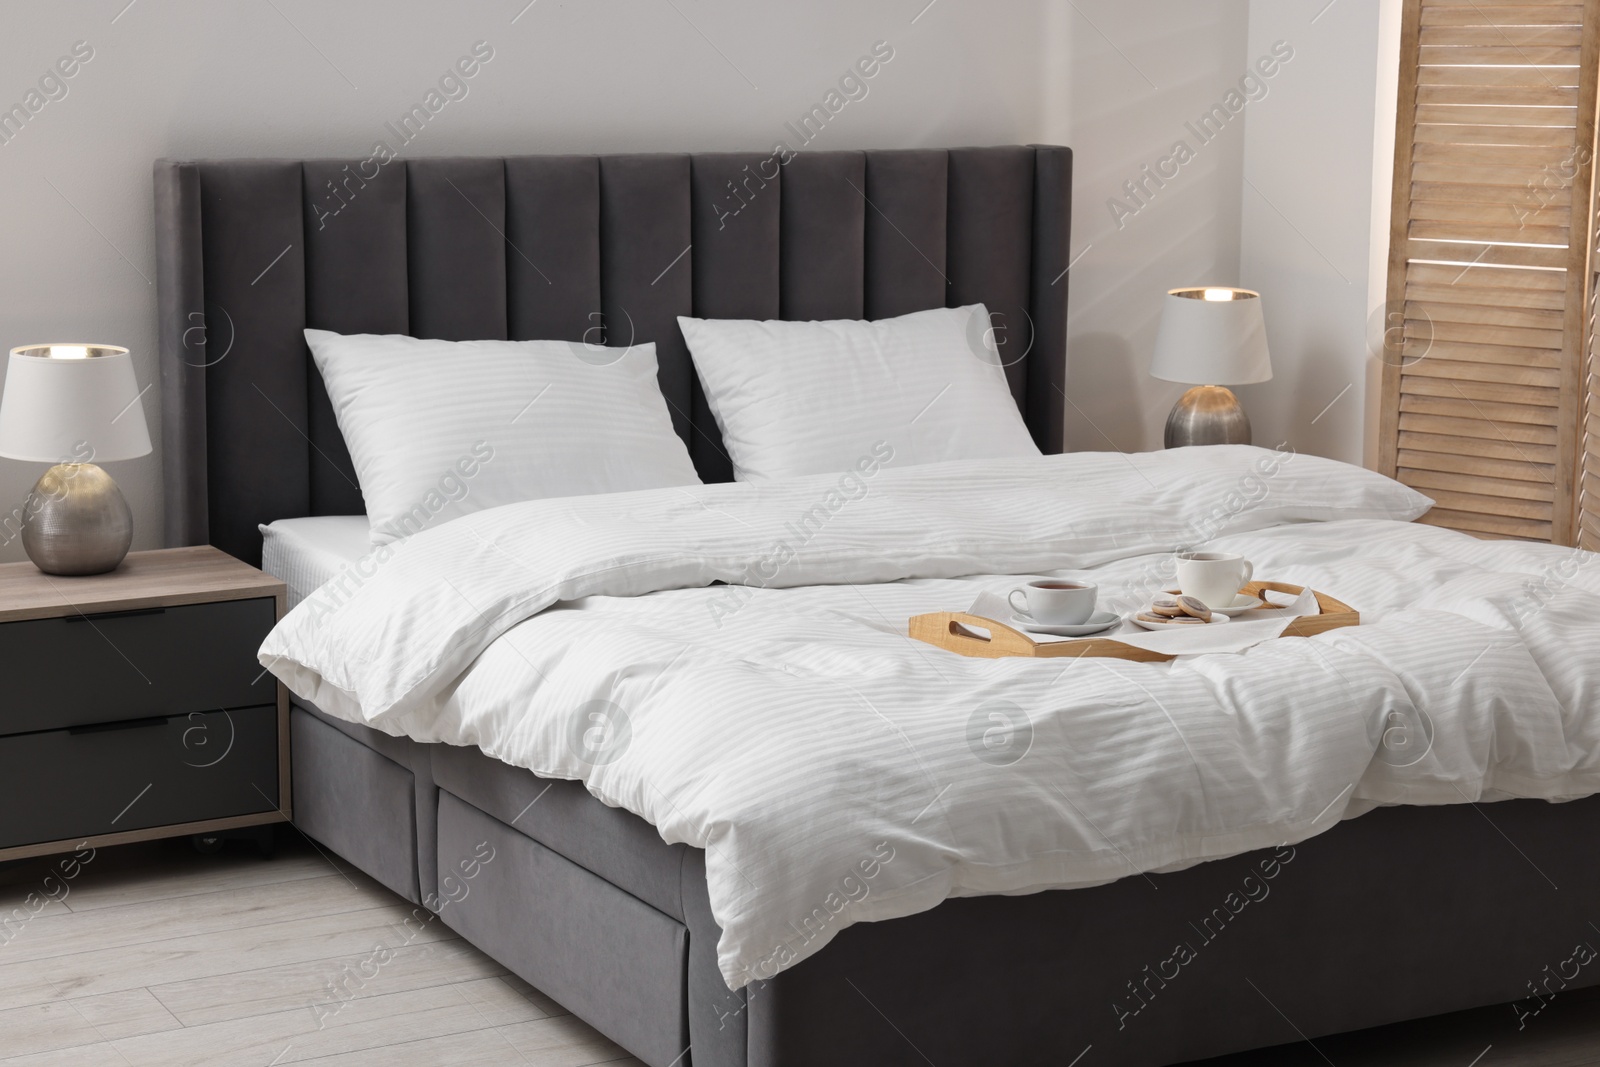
(165, 577)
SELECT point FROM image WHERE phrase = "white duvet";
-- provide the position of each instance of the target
(835, 771)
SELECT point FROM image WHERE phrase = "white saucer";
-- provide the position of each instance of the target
(1215, 620)
(1242, 602)
(1100, 620)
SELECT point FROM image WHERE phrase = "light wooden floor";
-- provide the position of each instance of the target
(160, 957)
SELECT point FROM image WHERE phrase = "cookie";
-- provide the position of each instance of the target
(1169, 620)
(1195, 608)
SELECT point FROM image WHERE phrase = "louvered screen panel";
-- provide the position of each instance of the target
(1589, 485)
(1494, 141)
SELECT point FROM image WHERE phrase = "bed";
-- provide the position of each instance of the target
(1403, 912)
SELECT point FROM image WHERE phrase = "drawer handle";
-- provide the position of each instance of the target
(125, 724)
(130, 613)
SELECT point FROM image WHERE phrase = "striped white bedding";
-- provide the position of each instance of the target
(837, 772)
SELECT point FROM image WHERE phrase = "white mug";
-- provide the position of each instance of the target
(1214, 578)
(1055, 601)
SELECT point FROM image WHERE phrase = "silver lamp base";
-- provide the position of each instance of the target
(1207, 415)
(77, 521)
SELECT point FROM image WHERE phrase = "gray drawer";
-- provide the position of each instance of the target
(611, 959)
(76, 671)
(70, 784)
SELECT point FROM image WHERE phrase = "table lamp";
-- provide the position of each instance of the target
(1216, 336)
(71, 405)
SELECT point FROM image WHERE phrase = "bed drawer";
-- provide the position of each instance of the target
(357, 801)
(71, 784)
(608, 957)
(79, 670)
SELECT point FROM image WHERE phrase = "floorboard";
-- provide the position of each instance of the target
(156, 956)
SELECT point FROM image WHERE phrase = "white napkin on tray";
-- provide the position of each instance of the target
(1235, 635)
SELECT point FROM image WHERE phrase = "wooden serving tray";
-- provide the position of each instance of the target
(950, 630)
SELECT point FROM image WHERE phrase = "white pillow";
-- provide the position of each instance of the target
(795, 398)
(440, 429)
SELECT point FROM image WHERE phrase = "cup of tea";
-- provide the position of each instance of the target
(1055, 601)
(1214, 578)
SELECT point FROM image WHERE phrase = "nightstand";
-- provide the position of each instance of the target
(132, 705)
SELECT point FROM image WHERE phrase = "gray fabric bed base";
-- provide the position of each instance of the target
(1403, 913)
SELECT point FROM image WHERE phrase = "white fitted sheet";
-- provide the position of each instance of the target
(306, 552)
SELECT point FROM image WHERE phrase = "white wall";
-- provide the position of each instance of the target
(300, 78)
(1315, 219)
(1121, 81)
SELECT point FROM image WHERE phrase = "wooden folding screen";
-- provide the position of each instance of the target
(1487, 400)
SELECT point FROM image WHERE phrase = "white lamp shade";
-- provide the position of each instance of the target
(1212, 336)
(71, 404)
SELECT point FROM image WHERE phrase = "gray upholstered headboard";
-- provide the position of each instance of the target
(561, 247)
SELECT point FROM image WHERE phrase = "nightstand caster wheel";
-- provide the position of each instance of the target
(207, 844)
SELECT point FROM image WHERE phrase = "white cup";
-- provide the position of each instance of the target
(1055, 601)
(1214, 578)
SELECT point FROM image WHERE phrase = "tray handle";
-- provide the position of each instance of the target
(960, 632)
(1328, 604)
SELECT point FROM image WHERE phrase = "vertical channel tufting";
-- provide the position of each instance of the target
(355, 248)
(355, 234)
(256, 381)
(822, 253)
(456, 217)
(1045, 410)
(252, 251)
(553, 258)
(646, 269)
(905, 238)
(736, 223)
(736, 202)
(991, 248)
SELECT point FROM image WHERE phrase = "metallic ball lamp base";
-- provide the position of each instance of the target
(1207, 415)
(77, 521)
